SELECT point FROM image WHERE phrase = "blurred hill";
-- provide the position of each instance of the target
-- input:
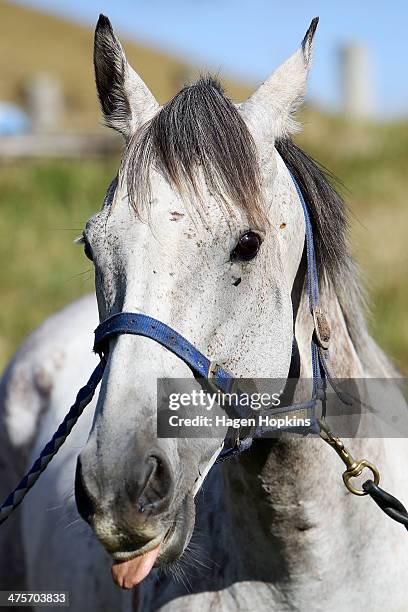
(35, 42)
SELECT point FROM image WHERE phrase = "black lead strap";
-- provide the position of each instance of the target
(387, 502)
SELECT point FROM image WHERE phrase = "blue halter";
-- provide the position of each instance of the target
(201, 366)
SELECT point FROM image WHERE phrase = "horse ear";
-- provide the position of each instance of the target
(125, 100)
(271, 110)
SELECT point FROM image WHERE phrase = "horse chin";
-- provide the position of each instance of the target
(130, 568)
(178, 535)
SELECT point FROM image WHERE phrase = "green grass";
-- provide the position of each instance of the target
(371, 160)
(43, 208)
(44, 205)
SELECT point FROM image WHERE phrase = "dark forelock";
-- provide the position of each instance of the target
(200, 128)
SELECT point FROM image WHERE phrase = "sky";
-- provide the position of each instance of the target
(251, 38)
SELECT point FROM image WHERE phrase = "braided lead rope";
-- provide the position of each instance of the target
(83, 398)
(387, 502)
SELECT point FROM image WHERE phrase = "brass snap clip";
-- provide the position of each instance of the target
(354, 468)
(321, 327)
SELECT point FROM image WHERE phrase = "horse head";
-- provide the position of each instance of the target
(203, 230)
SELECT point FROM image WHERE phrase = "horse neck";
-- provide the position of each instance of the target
(282, 525)
(286, 513)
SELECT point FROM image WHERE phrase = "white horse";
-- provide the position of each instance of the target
(204, 230)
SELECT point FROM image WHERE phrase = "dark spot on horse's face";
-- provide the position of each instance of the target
(176, 216)
(237, 282)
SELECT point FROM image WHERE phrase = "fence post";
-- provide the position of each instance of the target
(44, 102)
(357, 85)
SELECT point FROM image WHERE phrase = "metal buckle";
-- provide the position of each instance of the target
(354, 468)
(211, 373)
(321, 327)
(212, 368)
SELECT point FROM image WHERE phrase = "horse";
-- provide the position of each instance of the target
(203, 229)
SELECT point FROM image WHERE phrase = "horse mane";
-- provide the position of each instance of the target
(336, 269)
(199, 127)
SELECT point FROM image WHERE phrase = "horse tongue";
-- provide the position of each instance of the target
(128, 574)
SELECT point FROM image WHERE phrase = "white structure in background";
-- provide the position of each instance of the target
(44, 102)
(357, 81)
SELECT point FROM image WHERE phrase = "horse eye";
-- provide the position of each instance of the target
(88, 250)
(247, 247)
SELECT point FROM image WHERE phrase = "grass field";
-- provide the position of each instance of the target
(371, 162)
(45, 203)
(43, 206)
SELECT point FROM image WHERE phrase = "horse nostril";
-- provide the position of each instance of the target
(82, 498)
(156, 492)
